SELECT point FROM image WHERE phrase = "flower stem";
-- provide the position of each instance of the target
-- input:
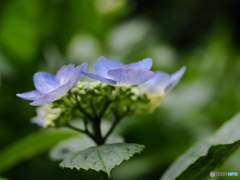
(107, 103)
(114, 124)
(80, 130)
(93, 109)
(82, 110)
(96, 123)
(95, 120)
(97, 132)
(117, 119)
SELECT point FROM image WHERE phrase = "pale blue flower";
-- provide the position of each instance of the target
(42, 113)
(161, 82)
(51, 87)
(115, 73)
(47, 115)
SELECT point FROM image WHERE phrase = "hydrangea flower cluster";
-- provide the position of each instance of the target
(51, 87)
(161, 82)
(122, 90)
(115, 73)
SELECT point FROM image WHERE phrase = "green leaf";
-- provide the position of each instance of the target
(208, 154)
(1, 178)
(104, 157)
(31, 146)
(71, 146)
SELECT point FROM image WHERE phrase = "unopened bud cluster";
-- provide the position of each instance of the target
(92, 97)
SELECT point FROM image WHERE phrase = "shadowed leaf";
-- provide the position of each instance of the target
(208, 154)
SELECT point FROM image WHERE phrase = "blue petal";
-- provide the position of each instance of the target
(128, 77)
(76, 74)
(145, 64)
(53, 95)
(104, 64)
(157, 83)
(32, 95)
(45, 82)
(174, 78)
(99, 78)
(63, 73)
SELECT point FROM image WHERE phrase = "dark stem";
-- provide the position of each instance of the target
(74, 128)
(95, 121)
(99, 140)
(93, 109)
(85, 121)
(85, 113)
(80, 130)
(114, 124)
(97, 132)
(117, 119)
(108, 102)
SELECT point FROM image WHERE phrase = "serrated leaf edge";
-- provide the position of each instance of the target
(125, 159)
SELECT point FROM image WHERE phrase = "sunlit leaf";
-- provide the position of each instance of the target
(208, 154)
(103, 158)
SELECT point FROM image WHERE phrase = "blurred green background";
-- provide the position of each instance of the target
(43, 35)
